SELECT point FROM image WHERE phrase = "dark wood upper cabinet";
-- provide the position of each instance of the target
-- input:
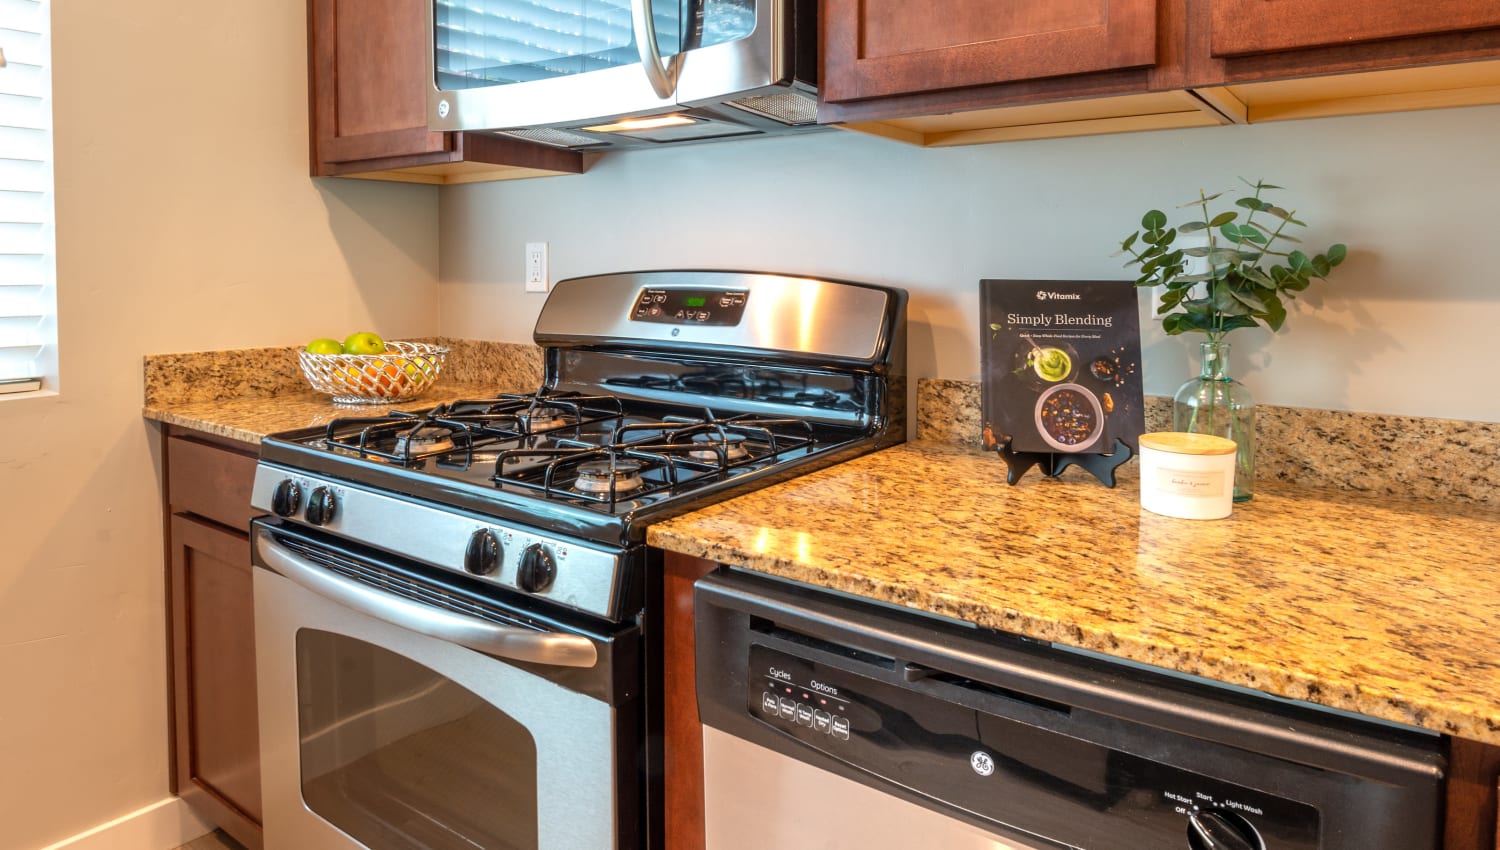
(977, 71)
(1245, 27)
(880, 48)
(367, 92)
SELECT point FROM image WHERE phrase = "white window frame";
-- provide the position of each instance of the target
(28, 262)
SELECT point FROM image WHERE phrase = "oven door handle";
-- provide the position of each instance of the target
(508, 642)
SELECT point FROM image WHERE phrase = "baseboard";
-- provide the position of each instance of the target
(163, 825)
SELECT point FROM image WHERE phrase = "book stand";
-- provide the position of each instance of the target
(1052, 464)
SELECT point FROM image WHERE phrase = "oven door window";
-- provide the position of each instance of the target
(400, 757)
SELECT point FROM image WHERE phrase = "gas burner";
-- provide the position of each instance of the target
(707, 447)
(424, 439)
(541, 418)
(595, 477)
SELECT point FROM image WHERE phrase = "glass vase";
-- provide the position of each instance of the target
(1214, 403)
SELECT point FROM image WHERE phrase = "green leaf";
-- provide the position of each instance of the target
(1253, 204)
(1282, 214)
(1296, 282)
(1197, 251)
(1192, 227)
(1128, 243)
(1253, 236)
(1274, 314)
(1197, 306)
(1223, 218)
(1337, 253)
(1225, 303)
(1187, 280)
(1238, 322)
(1200, 201)
(1297, 260)
(1249, 299)
(1255, 275)
(1320, 265)
(1154, 220)
(1231, 232)
(1224, 256)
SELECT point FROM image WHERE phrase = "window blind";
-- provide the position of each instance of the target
(28, 325)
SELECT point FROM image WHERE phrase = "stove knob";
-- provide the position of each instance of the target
(1215, 829)
(286, 499)
(537, 569)
(482, 555)
(321, 506)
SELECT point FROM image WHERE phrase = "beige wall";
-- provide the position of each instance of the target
(1402, 327)
(185, 222)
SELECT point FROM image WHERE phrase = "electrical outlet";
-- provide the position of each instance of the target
(536, 266)
(1156, 293)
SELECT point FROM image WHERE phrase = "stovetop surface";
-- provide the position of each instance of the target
(590, 465)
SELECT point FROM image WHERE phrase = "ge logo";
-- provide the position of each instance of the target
(982, 763)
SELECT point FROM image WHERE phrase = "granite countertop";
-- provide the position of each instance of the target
(1375, 605)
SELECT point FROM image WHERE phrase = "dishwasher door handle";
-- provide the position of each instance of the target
(508, 642)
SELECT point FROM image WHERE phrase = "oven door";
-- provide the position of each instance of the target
(399, 712)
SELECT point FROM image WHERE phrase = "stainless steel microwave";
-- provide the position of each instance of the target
(608, 74)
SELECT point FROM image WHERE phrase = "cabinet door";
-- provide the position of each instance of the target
(216, 739)
(1244, 27)
(880, 48)
(368, 60)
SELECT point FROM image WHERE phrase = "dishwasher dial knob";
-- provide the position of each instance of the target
(537, 569)
(321, 506)
(286, 499)
(1216, 829)
(482, 555)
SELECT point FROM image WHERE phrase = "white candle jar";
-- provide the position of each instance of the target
(1190, 476)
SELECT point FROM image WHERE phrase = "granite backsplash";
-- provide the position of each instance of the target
(1402, 456)
(261, 372)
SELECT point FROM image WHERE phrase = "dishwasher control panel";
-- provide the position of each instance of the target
(1015, 762)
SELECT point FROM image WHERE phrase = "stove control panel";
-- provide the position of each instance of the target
(691, 306)
(562, 571)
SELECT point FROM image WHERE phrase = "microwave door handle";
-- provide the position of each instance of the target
(663, 79)
(560, 650)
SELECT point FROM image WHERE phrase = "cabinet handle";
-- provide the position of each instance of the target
(663, 79)
(561, 650)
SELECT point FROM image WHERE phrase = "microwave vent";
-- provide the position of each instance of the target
(788, 108)
(556, 138)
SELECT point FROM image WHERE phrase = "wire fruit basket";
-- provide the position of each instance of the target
(403, 371)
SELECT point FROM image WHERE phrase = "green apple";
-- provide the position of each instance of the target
(324, 345)
(364, 342)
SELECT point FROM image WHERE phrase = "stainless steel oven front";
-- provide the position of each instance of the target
(400, 710)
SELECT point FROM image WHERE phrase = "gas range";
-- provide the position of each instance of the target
(663, 392)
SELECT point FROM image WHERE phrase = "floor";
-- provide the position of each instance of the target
(215, 840)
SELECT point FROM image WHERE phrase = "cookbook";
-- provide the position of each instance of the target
(1060, 364)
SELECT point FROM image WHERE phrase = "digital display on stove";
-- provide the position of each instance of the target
(690, 306)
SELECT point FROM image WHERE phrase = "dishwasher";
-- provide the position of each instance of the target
(835, 723)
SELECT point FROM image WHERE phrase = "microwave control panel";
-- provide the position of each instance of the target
(690, 306)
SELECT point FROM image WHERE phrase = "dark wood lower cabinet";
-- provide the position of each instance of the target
(683, 732)
(211, 637)
(1473, 787)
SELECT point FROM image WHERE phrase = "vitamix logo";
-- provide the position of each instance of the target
(1044, 295)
